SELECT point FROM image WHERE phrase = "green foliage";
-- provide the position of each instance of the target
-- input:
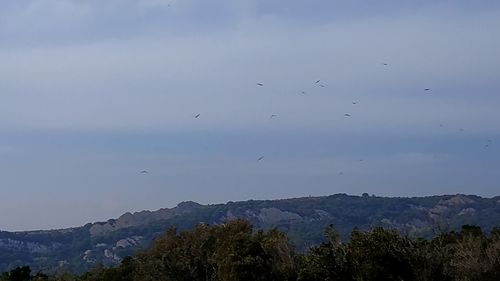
(444, 250)
(234, 251)
(381, 254)
(64, 250)
(327, 261)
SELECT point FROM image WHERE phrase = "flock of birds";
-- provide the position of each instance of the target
(272, 116)
(347, 115)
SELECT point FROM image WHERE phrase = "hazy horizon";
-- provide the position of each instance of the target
(93, 93)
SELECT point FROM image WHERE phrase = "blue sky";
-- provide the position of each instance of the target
(92, 93)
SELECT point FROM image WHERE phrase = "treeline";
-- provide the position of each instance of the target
(235, 251)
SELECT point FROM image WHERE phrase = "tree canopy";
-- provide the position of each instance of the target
(234, 251)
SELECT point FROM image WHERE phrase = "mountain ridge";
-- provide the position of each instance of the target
(303, 218)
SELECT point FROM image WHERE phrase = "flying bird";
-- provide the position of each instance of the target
(273, 116)
(144, 172)
(386, 64)
(304, 92)
(488, 144)
(317, 81)
(321, 85)
(347, 115)
(427, 89)
(260, 84)
(197, 115)
(260, 158)
(354, 102)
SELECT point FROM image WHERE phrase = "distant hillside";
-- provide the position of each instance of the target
(304, 219)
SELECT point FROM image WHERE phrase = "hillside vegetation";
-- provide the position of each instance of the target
(234, 251)
(303, 220)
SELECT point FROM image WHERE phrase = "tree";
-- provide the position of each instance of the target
(184, 256)
(327, 261)
(380, 254)
(231, 251)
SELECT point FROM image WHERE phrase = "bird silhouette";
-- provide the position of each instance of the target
(347, 115)
(303, 92)
(144, 172)
(354, 102)
(260, 158)
(197, 115)
(260, 84)
(488, 144)
(317, 81)
(427, 89)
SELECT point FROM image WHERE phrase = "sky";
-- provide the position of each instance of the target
(94, 92)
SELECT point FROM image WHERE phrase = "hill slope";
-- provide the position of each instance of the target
(304, 219)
